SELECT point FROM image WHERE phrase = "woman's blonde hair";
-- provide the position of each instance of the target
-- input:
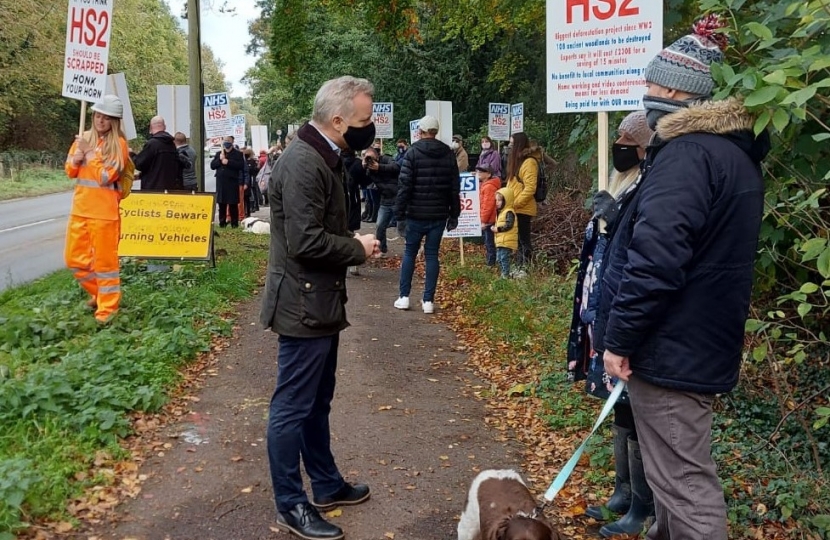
(621, 181)
(111, 150)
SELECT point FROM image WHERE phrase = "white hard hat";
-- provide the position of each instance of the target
(111, 106)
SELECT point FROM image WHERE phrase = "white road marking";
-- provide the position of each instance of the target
(41, 222)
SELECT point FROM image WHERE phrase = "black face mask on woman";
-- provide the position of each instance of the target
(624, 156)
(360, 138)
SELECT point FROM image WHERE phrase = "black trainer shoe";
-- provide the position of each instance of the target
(304, 521)
(348, 495)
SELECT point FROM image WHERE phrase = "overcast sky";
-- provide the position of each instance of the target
(226, 35)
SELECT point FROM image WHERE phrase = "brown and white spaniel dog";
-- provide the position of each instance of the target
(500, 507)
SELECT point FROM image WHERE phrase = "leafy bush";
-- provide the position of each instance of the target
(68, 385)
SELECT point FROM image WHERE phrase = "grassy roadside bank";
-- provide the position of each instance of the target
(67, 386)
(33, 182)
(515, 331)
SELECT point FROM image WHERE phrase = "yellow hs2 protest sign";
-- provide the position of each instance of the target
(166, 226)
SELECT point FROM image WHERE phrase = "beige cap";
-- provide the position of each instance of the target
(428, 123)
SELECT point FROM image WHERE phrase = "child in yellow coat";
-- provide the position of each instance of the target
(507, 232)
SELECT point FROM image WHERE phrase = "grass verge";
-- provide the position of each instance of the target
(516, 332)
(67, 386)
(33, 182)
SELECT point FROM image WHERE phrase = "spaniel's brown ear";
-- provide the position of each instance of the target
(500, 531)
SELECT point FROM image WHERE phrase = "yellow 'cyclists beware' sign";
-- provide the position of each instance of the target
(166, 226)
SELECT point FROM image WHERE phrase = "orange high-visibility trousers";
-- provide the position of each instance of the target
(92, 256)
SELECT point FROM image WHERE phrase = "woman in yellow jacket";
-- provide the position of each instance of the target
(96, 161)
(522, 171)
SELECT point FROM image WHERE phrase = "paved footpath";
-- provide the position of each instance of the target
(404, 420)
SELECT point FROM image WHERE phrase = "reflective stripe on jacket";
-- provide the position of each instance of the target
(96, 193)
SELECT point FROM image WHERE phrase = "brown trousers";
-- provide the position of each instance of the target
(675, 433)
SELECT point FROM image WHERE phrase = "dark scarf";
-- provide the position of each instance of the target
(310, 135)
(657, 107)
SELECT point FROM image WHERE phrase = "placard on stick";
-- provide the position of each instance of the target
(88, 30)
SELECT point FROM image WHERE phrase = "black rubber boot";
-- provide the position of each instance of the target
(621, 498)
(642, 499)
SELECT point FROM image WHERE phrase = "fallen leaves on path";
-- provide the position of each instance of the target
(97, 504)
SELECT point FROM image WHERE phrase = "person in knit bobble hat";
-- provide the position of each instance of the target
(678, 279)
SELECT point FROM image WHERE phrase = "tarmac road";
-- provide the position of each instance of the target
(32, 233)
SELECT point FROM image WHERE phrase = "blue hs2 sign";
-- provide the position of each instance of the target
(468, 182)
(381, 108)
(499, 108)
(215, 100)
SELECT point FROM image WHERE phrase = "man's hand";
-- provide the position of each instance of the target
(452, 224)
(402, 228)
(370, 244)
(372, 165)
(224, 161)
(616, 366)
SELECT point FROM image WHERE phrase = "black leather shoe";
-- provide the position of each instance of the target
(348, 495)
(304, 521)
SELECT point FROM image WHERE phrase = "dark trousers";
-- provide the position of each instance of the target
(675, 432)
(223, 212)
(489, 238)
(385, 214)
(298, 420)
(524, 255)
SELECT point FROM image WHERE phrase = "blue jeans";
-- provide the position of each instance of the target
(504, 255)
(417, 230)
(298, 420)
(385, 215)
(489, 238)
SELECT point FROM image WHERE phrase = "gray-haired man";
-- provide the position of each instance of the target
(678, 279)
(305, 297)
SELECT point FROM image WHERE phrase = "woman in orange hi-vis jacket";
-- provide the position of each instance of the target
(95, 161)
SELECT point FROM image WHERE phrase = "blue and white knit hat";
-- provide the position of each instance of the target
(684, 65)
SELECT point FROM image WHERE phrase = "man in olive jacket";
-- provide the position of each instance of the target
(305, 297)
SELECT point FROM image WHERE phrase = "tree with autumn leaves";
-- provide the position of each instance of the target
(147, 45)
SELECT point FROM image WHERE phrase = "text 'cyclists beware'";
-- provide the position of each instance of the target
(88, 29)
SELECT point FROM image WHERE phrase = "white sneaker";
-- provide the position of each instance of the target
(402, 302)
(429, 307)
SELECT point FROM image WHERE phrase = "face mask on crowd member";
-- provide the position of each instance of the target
(625, 156)
(401, 149)
(629, 150)
(360, 138)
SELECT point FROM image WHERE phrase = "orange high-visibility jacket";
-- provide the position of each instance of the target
(96, 193)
